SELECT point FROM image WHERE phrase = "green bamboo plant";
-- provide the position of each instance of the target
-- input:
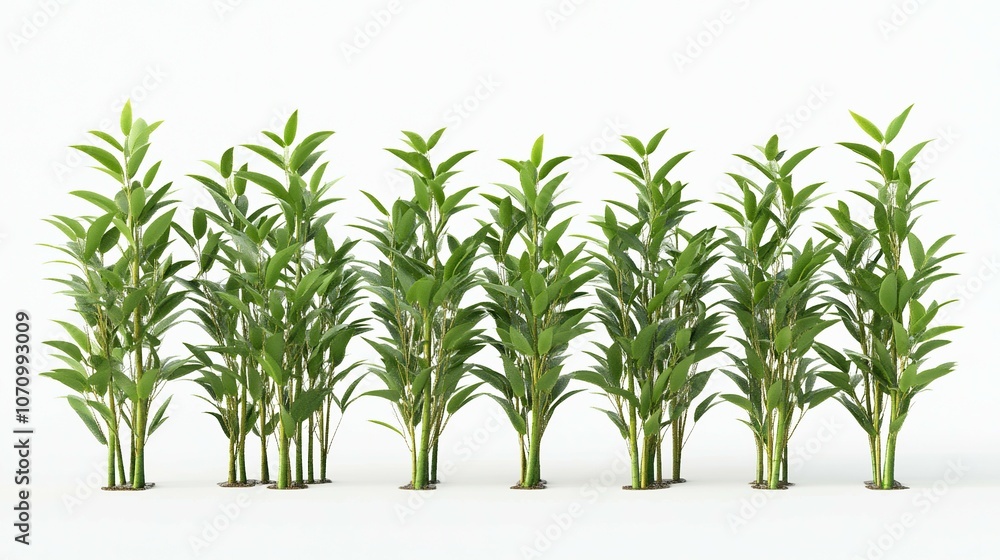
(232, 247)
(420, 287)
(652, 285)
(334, 328)
(300, 290)
(774, 290)
(530, 292)
(229, 376)
(123, 290)
(885, 271)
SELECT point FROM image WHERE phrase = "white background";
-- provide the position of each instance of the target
(723, 75)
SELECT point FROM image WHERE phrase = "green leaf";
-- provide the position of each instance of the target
(390, 426)
(70, 378)
(536, 151)
(515, 419)
(626, 162)
(268, 183)
(158, 418)
(306, 403)
(420, 292)
(635, 144)
(654, 142)
(551, 239)
(126, 119)
(102, 157)
(276, 264)
(95, 233)
(866, 152)
(290, 128)
(908, 378)
(928, 375)
(739, 401)
(545, 340)
(548, 380)
(643, 343)
(771, 149)
(896, 125)
(887, 293)
(158, 228)
(783, 340)
(520, 343)
(540, 304)
(866, 125)
(87, 415)
(199, 223)
(416, 142)
(897, 424)
(917, 254)
(461, 398)
(99, 200)
(776, 395)
(432, 140)
(901, 337)
(145, 385)
(791, 162)
(447, 164)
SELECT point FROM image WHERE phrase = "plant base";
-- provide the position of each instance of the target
(247, 484)
(323, 481)
(764, 486)
(292, 486)
(652, 486)
(409, 486)
(870, 484)
(676, 481)
(540, 486)
(127, 488)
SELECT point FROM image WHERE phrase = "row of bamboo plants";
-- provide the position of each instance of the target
(462, 308)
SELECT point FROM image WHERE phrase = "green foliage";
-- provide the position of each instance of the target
(420, 287)
(885, 270)
(653, 279)
(774, 296)
(531, 293)
(275, 294)
(122, 285)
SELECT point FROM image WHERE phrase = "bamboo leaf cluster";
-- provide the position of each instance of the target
(275, 294)
(534, 292)
(885, 270)
(420, 286)
(775, 290)
(123, 285)
(653, 283)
